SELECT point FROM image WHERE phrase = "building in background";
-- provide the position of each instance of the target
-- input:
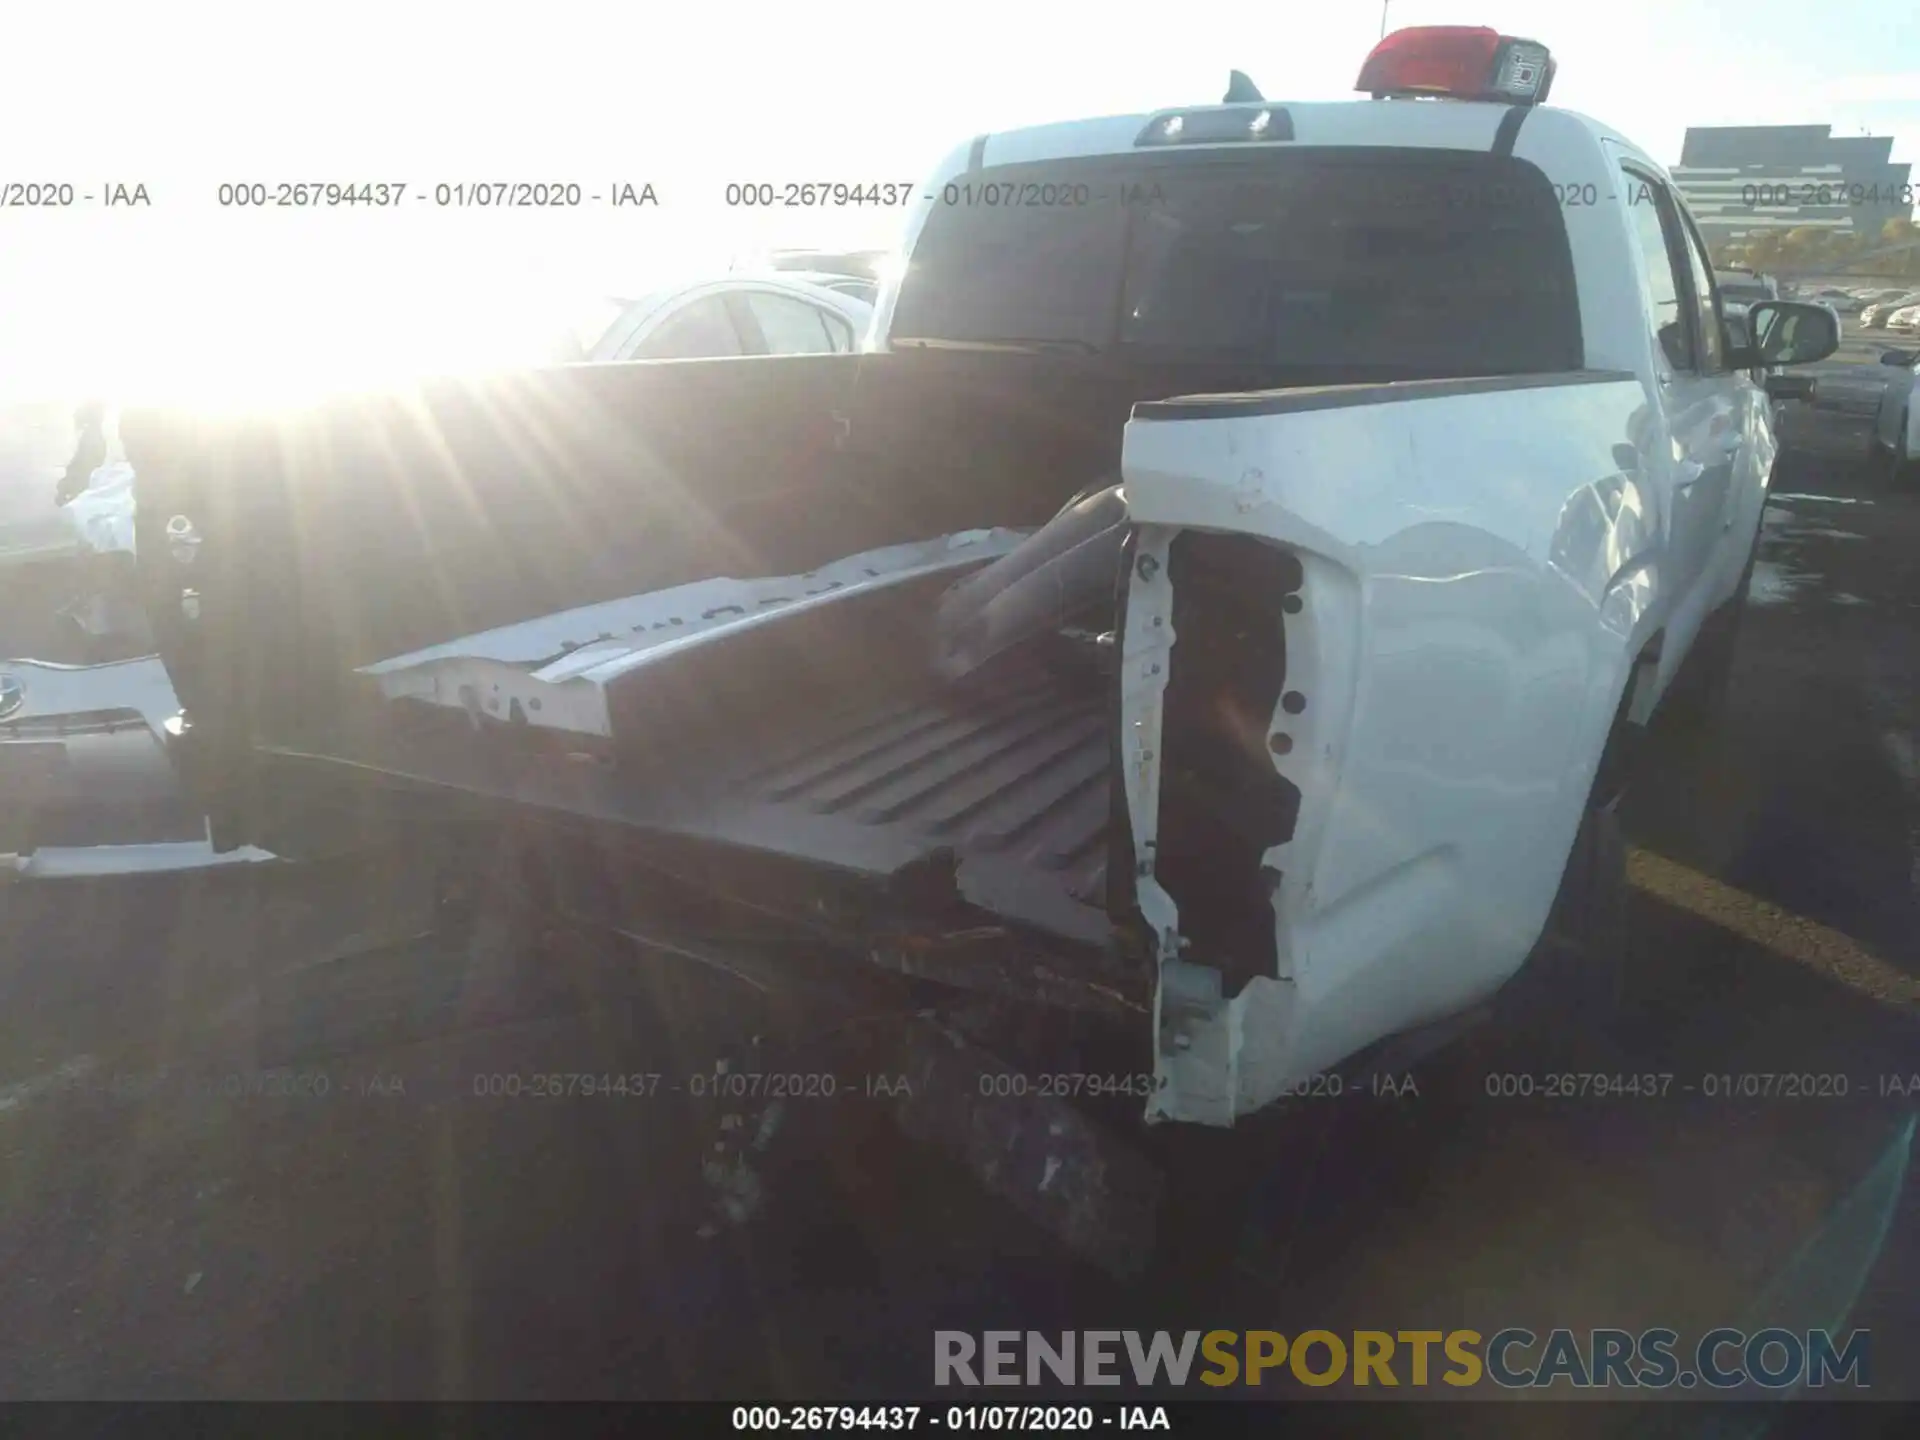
(1741, 181)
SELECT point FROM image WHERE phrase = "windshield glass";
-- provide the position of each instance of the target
(1395, 259)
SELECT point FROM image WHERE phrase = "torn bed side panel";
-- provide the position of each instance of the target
(1190, 1017)
(1449, 676)
(554, 672)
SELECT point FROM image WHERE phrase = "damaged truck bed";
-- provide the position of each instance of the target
(1207, 633)
(1098, 763)
(735, 733)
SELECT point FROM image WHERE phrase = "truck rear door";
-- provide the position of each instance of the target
(1698, 395)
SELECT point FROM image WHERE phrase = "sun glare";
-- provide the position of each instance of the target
(242, 349)
(293, 319)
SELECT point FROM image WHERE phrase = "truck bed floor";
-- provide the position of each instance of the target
(1020, 773)
(1012, 781)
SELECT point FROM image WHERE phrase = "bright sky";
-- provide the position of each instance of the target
(182, 96)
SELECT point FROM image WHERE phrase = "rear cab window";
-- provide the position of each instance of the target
(1400, 262)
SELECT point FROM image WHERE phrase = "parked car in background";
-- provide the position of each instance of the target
(764, 313)
(865, 291)
(1905, 319)
(1894, 443)
(1741, 289)
(1844, 302)
(852, 272)
(1875, 315)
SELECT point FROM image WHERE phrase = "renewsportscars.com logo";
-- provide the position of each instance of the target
(1775, 1359)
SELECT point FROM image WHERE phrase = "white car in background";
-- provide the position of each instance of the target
(1875, 316)
(1875, 295)
(1905, 319)
(1895, 441)
(774, 313)
(852, 272)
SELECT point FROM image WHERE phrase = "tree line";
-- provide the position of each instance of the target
(1810, 248)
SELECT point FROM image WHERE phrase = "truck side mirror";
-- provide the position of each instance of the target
(1787, 332)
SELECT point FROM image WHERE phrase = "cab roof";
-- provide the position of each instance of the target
(1438, 124)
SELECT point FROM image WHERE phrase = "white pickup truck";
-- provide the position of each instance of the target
(1216, 613)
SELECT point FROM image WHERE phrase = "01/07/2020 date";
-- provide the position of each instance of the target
(391, 194)
(811, 1419)
(967, 194)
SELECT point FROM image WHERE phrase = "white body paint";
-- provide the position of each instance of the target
(1489, 573)
(1483, 573)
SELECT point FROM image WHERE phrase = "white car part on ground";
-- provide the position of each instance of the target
(101, 520)
(38, 690)
(82, 862)
(102, 514)
(38, 699)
